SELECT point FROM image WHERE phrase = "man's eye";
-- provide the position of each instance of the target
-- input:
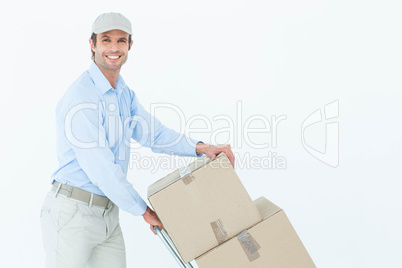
(105, 40)
(122, 41)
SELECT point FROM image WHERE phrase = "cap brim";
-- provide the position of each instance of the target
(109, 28)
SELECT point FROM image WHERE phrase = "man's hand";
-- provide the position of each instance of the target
(213, 150)
(151, 218)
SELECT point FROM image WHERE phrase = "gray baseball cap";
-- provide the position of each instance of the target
(111, 21)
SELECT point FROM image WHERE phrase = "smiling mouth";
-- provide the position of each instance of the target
(113, 57)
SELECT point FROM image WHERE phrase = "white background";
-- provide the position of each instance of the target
(276, 57)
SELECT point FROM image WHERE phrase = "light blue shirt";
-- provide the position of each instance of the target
(95, 124)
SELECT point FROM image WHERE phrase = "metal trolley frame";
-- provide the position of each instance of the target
(171, 247)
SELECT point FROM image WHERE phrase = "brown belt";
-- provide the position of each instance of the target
(81, 195)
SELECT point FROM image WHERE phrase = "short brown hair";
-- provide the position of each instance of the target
(93, 37)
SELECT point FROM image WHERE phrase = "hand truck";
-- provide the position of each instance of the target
(171, 247)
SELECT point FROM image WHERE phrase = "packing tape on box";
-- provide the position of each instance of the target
(184, 171)
(185, 174)
(219, 231)
(249, 245)
(188, 179)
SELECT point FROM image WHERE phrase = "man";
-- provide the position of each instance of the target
(96, 118)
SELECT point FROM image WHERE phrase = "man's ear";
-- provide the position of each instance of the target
(91, 43)
(131, 44)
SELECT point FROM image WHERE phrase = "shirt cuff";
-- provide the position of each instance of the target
(198, 155)
(139, 208)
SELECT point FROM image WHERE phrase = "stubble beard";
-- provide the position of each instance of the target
(110, 67)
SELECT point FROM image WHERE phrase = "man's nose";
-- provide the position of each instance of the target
(114, 46)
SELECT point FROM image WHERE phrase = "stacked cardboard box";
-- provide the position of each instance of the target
(271, 243)
(202, 205)
(205, 209)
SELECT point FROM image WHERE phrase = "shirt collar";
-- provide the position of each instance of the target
(101, 82)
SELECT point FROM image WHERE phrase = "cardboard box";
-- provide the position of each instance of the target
(202, 205)
(271, 243)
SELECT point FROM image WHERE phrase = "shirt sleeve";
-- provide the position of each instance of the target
(89, 143)
(150, 132)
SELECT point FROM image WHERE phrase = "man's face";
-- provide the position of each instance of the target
(111, 49)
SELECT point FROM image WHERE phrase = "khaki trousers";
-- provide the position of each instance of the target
(76, 235)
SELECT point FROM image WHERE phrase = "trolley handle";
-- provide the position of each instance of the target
(171, 247)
